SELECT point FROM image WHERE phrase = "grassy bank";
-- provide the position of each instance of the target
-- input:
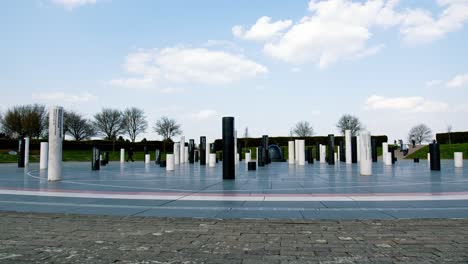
(446, 151)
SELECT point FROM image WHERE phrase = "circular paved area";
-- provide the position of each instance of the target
(279, 190)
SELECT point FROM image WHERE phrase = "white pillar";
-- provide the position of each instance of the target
(186, 154)
(296, 148)
(291, 151)
(366, 156)
(147, 158)
(336, 158)
(212, 160)
(388, 160)
(122, 155)
(236, 159)
(176, 153)
(26, 151)
(348, 146)
(169, 162)
(208, 151)
(55, 143)
(256, 157)
(384, 152)
(358, 151)
(323, 153)
(182, 149)
(338, 152)
(301, 152)
(429, 159)
(248, 157)
(44, 155)
(458, 157)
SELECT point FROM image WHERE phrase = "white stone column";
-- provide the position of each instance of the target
(358, 151)
(296, 150)
(301, 152)
(323, 153)
(55, 143)
(336, 158)
(291, 152)
(256, 157)
(384, 152)
(176, 153)
(388, 160)
(429, 159)
(182, 149)
(212, 160)
(147, 159)
(44, 155)
(122, 155)
(458, 158)
(208, 151)
(248, 157)
(186, 154)
(236, 159)
(348, 146)
(170, 162)
(26, 151)
(338, 152)
(366, 156)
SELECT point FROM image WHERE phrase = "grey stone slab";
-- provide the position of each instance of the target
(346, 215)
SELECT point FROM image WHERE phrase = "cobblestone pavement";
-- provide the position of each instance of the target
(60, 238)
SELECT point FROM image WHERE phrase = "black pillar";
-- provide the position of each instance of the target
(434, 152)
(265, 156)
(202, 151)
(261, 156)
(353, 149)
(239, 150)
(145, 150)
(392, 152)
(157, 155)
(317, 151)
(229, 172)
(374, 149)
(331, 149)
(196, 155)
(191, 151)
(342, 152)
(96, 159)
(21, 150)
(310, 155)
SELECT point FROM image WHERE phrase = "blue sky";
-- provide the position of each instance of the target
(270, 64)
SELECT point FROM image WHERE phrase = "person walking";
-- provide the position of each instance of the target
(130, 155)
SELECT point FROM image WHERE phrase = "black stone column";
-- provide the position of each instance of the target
(331, 149)
(392, 152)
(374, 149)
(196, 155)
(21, 152)
(202, 152)
(434, 152)
(239, 150)
(310, 155)
(229, 172)
(145, 150)
(96, 159)
(354, 149)
(157, 154)
(342, 152)
(261, 156)
(265, 157)
(317, 151)
(191, 151)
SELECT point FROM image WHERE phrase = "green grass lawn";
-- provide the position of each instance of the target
(446, 151)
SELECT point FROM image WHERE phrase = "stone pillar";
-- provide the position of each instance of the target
(191, 150)
(212, 161)
(208, 151)
(310, 155)
(434, 150)
(170, 162)
(54, 172)
(176, 153)
(266, 158)
(458, 159)
(44, 155)
(385, 153)
(358, 149)
(323, 153)
(353, 149)
(391, 151)
(147, 159)
(229, 142)
(182, 149)
(291, 151)
(366, 155)
(122, 155)
(202, 152)
(296, 153)
(96, 159)
(239, 150)
(26, 151)
(374, 150)
(186, 154)
(256, 154)
(236, 160)
(157, 156)
(338, 153)
(301, 152)
(331, 149)
(260, 156)
(348, 146)
(429, 159)
(342, 152)
(21, 144)
(248, 157)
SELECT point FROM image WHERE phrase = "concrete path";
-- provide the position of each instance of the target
(52, 238)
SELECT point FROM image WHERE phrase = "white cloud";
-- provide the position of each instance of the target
(416, 104)
(433, 83)
(204, 114)
(70, 4)
(263, 29)
(64, 97)
(186, 65)
(458, 81)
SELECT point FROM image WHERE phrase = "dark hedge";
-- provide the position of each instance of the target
(455, 137)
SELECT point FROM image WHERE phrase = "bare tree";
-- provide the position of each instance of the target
(25, 121)
(349, 122)
(420, 133)
(167, 128)
(76, 126)
(109, 123)
(134, 122)
(303, 129)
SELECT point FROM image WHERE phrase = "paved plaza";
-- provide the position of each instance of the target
(277, 191)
